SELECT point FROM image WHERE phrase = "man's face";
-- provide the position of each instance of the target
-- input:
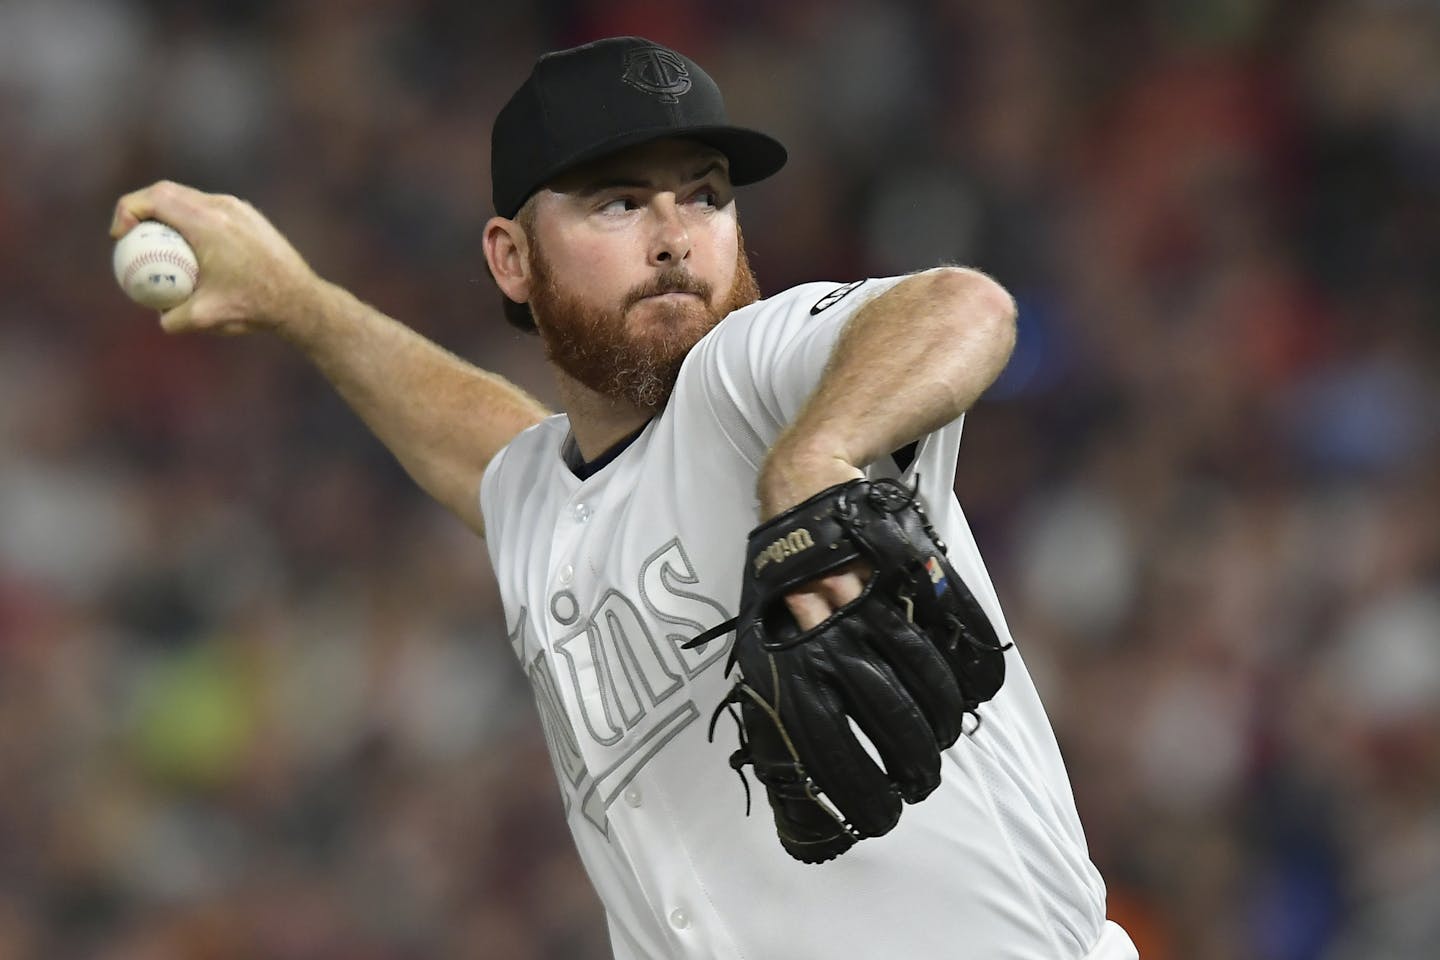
(635, 258)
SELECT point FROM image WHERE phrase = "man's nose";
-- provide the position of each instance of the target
(671, 245)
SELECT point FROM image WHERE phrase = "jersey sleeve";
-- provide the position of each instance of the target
(491, 494)
(500, 488)
(760, 365)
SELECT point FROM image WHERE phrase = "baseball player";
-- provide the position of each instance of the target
(693, 412)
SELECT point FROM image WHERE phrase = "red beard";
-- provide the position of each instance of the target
(633, 361)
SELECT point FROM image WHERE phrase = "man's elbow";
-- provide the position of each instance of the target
(980, 306)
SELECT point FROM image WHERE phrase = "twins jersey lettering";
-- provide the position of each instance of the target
(605, 579)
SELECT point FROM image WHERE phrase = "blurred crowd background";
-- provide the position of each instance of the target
(255, 699)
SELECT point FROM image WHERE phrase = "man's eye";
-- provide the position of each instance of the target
(709, 198)
(618, 205)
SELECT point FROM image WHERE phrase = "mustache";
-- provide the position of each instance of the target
(676, 280)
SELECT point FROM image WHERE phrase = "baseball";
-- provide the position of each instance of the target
(155, 266)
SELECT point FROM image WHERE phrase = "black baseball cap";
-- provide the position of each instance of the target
(589, 101)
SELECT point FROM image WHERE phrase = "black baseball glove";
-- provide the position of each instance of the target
(907, 661)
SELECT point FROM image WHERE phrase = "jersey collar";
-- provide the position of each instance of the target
(583, 469)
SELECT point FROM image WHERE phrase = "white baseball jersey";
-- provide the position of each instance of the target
(605, 578)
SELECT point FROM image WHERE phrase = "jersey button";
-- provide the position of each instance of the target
(634, 797)
(679, 919)
(567, 573)
(581, 512)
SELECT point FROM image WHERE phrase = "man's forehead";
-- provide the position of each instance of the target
(680, 157)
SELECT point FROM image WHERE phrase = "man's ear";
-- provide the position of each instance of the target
(507, 251)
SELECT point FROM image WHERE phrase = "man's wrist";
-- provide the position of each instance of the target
(793, 472)
(310, 318)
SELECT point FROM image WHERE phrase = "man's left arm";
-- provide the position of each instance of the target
(908, 362)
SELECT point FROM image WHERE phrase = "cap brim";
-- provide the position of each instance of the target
(753, 155)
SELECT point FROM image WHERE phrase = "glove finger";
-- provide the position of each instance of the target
(836, 760)
(892, 720)
(808, 830)
(948, 612)
(921, 667)
(976, 656)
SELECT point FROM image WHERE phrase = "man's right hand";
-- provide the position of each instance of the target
(251, 278)
(441, 417)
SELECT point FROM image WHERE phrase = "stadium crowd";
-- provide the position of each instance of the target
(255, 694)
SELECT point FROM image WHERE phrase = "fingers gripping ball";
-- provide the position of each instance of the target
(155, 266)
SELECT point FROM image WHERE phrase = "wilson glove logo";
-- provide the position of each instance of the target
(796, 541)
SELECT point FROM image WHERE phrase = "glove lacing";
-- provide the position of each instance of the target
(787, 780)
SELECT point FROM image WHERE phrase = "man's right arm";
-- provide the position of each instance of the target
(442, 418)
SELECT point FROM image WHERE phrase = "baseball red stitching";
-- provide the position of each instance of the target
(160, 256)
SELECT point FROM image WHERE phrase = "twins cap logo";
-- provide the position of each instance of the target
(658, 71)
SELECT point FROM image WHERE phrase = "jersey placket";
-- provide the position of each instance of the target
(624, 798)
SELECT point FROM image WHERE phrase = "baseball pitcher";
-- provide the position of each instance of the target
(785, 712)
